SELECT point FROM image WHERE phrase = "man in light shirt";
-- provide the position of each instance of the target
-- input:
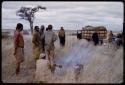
(50, 38)
(44, 72)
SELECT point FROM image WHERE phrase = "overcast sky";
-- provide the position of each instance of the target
(70, 15)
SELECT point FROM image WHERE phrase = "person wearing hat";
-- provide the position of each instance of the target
(42, 72)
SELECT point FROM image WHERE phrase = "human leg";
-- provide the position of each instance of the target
(19, 55)
(18, 67)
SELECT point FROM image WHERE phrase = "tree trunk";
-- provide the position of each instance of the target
(31, 27)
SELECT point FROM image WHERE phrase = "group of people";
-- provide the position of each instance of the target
(111, 38)
(117, 40)
(42, 43)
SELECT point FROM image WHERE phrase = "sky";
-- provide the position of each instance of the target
(70, 15)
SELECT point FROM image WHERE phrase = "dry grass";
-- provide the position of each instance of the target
(101, 65)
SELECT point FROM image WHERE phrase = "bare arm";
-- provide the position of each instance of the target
(16, 42)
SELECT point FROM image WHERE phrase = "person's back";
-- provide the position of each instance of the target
(110, 36)
(42, 38)
(43, 72)
(95, 38)
(36, 39)
(119, 39)
(95, 35)
(49, 37)
(61, 33)
(36, 43)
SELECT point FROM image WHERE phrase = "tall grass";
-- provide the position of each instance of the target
(101, 64)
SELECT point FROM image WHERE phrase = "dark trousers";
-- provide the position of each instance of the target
(62, 41)
(96, 42)
(43, 45)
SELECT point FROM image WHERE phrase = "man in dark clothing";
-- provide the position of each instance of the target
(79, 35)
(119, 39)
(42, 38)
(95, 38)
(61, 35)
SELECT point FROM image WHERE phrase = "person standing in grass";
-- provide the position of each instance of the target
(110, 38)
(61, 35)
(95, 38)
(50, 38)
(18, 46)
(43, 70)
(42, 38)
(36, 43)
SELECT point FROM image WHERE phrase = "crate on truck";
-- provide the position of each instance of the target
(86, 33)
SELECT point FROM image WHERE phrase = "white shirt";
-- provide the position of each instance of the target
(50, 37)
(43, 72)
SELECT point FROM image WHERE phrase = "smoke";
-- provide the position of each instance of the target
(75, 54)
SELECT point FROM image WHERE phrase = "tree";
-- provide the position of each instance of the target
(27, 13)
